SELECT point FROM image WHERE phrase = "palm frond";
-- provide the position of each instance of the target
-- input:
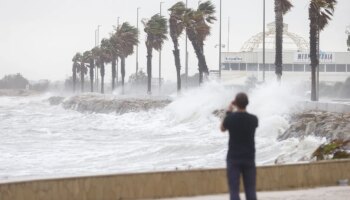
(77, 57)
(286, 5)
(125, 38)
(207, 8)
(176, 20)
(156, 29)
(324, 10)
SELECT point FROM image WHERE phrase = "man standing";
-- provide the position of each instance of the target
(241, 151)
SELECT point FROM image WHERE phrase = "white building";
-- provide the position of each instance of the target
(237, 66)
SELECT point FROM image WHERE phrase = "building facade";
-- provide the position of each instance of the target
(334, 66)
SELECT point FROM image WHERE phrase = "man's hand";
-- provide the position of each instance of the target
(230, 108)
(222, 128)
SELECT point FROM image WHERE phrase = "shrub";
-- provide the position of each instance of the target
(14, 81)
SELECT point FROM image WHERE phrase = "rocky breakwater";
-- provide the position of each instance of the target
(110, 104)
(17, 92)
(335, 127)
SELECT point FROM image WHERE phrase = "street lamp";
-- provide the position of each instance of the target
(264, 41)
(347, 31)
(117, 57)
(186, 56)
(98, 35)
(137, 45)
(228, 35)
(220, 43)
(160, 51)
(97, 43)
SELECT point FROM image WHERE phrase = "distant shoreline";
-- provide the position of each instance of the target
(18, 92)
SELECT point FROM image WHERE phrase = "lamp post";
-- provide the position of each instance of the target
(220, 47)
(347, 31)
(186, 56)
(95, 37)
(264, 41)
(96, 75)
(97, 32)
(98, 35)
(160, 51)
(228, 35)
(220, 43)
(137, 45)
(117, 57)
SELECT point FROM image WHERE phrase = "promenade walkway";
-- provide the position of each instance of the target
(325, 193)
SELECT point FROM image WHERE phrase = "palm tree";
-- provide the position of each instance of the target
(96, 55)
(176, 25)
(105, 56)
(82, 70)
(114, 58)
(76, 59)
(124, 40)
(348, 42)
(320, 13)
(197, 28)
(156, 29)
(281, 8)
(89, 58)
(86, 63)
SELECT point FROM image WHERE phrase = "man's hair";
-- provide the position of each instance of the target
(241, 100)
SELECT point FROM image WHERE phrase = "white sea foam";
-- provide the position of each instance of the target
(39, 140)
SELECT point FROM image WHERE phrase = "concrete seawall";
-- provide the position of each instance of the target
(173, 184)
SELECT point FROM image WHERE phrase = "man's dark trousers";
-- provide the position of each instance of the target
(248, 170)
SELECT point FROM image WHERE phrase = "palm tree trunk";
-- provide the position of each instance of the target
(92, 75)
(102, 71)
(149, 69)
(202, 66)
(122, 70)
(279, 39)
(313, 50)
(176, 53)
(113, 72)
(82, 73)
(203, 63)
(198, 48)
(74, 76)
(116, 78)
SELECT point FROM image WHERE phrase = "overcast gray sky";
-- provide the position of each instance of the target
(38, 38)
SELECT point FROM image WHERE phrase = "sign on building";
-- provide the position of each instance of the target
(233, 59)
(303, 57)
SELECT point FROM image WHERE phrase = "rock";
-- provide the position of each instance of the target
(310, 128)
(221, 113)
(280, 160)
(304, 158)
(108, 104)
(336, 149)
(307, 115)
(55, 100)
(321, 124)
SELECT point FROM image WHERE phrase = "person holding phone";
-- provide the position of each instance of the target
(241, 151)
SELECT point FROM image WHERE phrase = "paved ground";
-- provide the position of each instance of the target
(326, 193)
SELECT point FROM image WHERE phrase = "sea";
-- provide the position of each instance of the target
(39, 140)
